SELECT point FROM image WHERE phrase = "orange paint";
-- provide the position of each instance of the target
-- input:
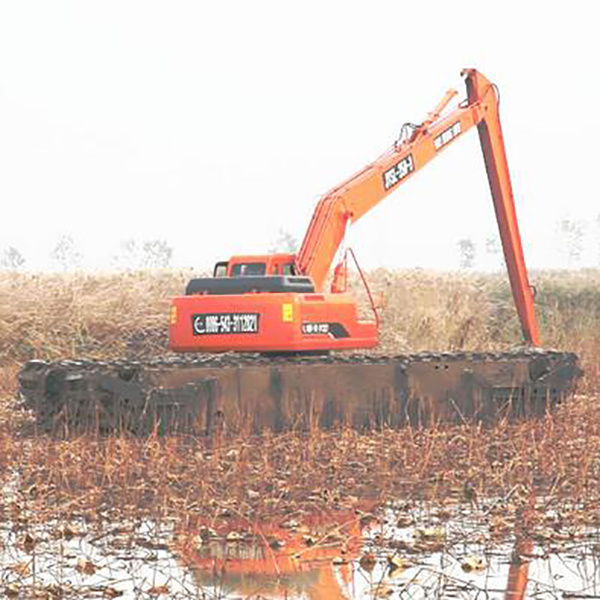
(257, 567)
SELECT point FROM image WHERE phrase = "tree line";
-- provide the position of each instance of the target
(575, 242)
(66, 256)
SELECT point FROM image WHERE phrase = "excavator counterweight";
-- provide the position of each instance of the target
(278, 306)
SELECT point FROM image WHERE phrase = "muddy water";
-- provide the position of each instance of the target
(418, 555)
(419, 551)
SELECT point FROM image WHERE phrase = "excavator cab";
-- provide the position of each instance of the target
(256, 266)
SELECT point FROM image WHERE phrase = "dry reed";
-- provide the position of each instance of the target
(194, 482)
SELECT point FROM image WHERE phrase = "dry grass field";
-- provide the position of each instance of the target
(103, 316)
(539, 479)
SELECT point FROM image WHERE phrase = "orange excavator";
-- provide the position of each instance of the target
(278, 303)
(253, 341)
(313, 560)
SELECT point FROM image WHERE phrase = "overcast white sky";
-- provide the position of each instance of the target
(212, 125)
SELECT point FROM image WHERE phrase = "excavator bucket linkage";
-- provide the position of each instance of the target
(230, 393)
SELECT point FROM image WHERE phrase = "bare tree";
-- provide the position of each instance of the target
(12, 259)
(128, 256)
(467, 253)
(284, 242)
(66, 254)
(572, 234)
(151, 254)
(493, 249)
(156, 254)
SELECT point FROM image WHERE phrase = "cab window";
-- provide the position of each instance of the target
(289, 269)
(249, 270)
(220, 269)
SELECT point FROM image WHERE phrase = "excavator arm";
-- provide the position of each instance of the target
(349, 201)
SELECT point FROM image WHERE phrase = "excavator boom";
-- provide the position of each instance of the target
(350, 200)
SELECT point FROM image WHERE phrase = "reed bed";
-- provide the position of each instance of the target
(537, 480)
(124, 314)
(549, 468)
(274, 476)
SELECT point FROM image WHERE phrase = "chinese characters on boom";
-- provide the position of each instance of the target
(398, 172)
(447, 135)
(225, 323)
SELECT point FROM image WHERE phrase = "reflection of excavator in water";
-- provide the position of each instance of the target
(312, 560)
(327, 556)
(277, 305)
